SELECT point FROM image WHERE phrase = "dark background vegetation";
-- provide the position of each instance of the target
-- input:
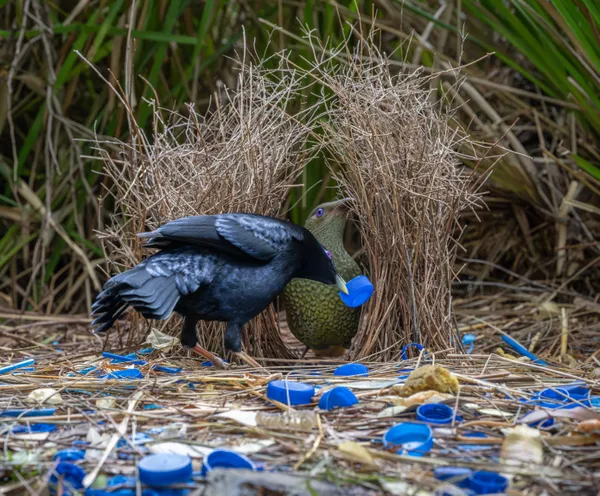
(533, 88)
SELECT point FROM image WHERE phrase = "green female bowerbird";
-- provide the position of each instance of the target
(315, 313)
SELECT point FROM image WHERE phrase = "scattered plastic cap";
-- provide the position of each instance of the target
(225, 459)
(299, 393)
(163, 469)
(455, 475)
(435, 413)
(360, 290)
(71, 474)
(483, 482)
(577, 388)
(125, 374)
(557, 394)
(412, 439)
(337, 397)
(69, 455)
(352, 369)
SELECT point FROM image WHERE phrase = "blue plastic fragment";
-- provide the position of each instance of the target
(42, 412)
(409, 438)
(69, 455)
(130, 358)
(418, 346)
(359, 289)
(543, 424)
(469, 339)
(164, 469)
(124, 374)
(168, 370)
(145, 351)
(352, 369)
(521, 349)
(459, 476)
(290, 392)
(337, 397)
(24, 369)
(138, 439)
(208, 363)
(475, 447)
(15, 366)
(225, 459)
(26, 429)
(484, 482)
(152, 406)
(435, 413)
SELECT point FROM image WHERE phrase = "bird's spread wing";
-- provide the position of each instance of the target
(241, 235)
(152, 287)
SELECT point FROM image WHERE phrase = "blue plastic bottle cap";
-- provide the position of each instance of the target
(359, 289)
(455, 475)
(409, 438)
(557, 394)
(352, 369)
(163, 469)
(435, 413)
(71, 474)
(337, 397)
(483, 482)
(225, 459)
(69, 455)
(577, 388)
(299, 393)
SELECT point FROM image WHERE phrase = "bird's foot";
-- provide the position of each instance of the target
(248, 359)
(217, 362)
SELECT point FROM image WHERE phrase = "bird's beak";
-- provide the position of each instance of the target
(342, 205)
(341, 284)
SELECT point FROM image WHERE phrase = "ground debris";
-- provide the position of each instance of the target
(428, 378)
(167, 402)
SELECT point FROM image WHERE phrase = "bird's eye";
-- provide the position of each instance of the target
(319, 212)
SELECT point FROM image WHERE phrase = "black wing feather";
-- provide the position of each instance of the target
(240, 235)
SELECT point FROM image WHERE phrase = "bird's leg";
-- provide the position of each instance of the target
(233, 342)
(189, 339)
(304, 352)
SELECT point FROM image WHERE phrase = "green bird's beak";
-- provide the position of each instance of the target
(341, 284)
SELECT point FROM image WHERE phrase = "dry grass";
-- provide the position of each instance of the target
(397, 150)
(242, 156)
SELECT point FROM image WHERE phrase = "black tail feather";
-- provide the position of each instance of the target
(154, 296)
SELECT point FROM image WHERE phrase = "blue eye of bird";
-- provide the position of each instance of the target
(319, 212)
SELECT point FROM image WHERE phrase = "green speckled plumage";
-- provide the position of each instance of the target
(316, 315)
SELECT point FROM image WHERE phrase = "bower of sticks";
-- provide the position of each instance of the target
(392, 147)
(519, 373)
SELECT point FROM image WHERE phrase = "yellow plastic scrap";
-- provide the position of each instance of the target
(427, 378)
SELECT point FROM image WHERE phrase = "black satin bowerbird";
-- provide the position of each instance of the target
(226, 267)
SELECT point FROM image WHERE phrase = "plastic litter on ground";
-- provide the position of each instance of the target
(165, 421)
